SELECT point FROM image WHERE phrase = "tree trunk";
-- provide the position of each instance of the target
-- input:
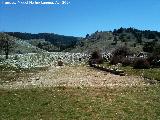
(6, 55)
(7, 49)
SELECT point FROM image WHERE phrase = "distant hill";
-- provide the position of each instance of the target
(109, 40)
(102, 40)
(47, 41)
(43, 44)
(20, 46)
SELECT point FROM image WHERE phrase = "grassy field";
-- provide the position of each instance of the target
(153, 73)
(146, 73)
(76, 103)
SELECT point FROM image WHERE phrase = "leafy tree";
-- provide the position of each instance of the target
(120, 30)
(122, 37)
(151, 36)
(139, 37)
(87, 36)
(5, 43)
(156, 50)
(115, 40)
(134, 45)
(130, 30)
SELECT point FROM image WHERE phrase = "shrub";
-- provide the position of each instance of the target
(116, 59)
(141, 64)
(127, 62)
(156, 49)
(122, 51)
(119, 54)
(149, 46)
(154, 60)
(60, 62)
(96, 58)
(2, 59)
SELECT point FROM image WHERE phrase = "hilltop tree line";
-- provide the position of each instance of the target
(146, 33)
(139, 34)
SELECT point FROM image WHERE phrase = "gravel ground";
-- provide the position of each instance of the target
(75, 76)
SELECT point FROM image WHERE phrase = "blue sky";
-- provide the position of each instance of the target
(80, 16)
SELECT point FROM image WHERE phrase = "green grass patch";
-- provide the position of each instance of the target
(75, 103)
(153, 73)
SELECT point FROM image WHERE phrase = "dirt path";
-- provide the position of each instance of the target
(79, 76)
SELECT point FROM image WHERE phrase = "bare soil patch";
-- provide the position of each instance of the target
(74, 76)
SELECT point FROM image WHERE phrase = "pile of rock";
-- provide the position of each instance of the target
(111, 70)
(32, 60)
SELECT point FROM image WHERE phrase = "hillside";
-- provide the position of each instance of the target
(47, 41)
(18, 46)
(22, 47)
(109, 40)
(104, 40)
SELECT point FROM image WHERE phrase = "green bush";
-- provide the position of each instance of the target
(60, 63)
(119, 54)
(154, 60)
(96, 58)
(116, 59)
(122, 51)
(141, 64)
(127, 62)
